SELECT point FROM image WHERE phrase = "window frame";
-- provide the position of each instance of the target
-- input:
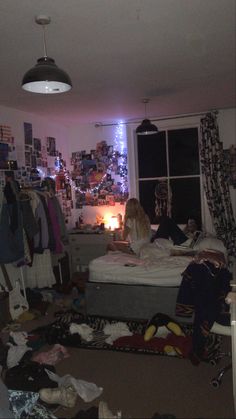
(167, 126)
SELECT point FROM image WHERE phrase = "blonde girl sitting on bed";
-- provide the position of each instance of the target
(137, 229)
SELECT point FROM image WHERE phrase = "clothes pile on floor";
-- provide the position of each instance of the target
(30, 386)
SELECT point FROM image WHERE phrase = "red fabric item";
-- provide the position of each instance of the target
(183, 343)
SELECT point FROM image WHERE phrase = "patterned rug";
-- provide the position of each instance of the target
(117, 335)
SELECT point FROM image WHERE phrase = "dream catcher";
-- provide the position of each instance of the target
(163, 198)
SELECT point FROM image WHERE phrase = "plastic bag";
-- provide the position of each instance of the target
(87, 391)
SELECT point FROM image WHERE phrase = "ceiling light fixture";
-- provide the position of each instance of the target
(146, 127)
(45, 77)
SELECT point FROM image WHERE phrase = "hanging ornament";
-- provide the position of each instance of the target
(163, 198)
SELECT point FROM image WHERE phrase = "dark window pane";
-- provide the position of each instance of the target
(183, 152)
(186, 202)
(147, 198)
(152, 155)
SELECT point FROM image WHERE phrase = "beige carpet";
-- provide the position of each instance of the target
(141, 385)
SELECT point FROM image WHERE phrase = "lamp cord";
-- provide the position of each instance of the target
(44, 42)
(145, 101)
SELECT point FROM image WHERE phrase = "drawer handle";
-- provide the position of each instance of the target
(97, 287)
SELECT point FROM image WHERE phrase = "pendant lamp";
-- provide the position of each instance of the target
(146, 127)
(45, 77)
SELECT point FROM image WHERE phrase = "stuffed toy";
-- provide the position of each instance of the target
(173, 345)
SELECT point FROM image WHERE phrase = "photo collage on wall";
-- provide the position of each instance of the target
(8, 160)
(7, 149)
(43, 156)
(100, 176)
(41, 159)
(35, 151)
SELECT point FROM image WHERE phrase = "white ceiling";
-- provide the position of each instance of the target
(178, 53)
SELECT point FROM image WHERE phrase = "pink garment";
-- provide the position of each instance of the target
(55, 226)
(52, 357)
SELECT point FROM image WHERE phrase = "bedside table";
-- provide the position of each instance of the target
(87, 246)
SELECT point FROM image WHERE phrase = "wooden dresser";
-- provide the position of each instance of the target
(87, 246)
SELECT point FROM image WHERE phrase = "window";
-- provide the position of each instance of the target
(170, 159)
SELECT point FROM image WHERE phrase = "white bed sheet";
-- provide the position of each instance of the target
(162, 271)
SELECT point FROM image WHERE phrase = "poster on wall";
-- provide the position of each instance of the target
(6, 135)
(51, 146)
(28, 158)
(28, 131)
(37, 144)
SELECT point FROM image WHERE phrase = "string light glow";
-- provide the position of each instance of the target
(119, 152)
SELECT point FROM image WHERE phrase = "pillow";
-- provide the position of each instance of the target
(211, 243)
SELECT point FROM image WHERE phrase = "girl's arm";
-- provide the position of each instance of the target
(126, 232)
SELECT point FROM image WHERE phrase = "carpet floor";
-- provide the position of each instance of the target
(95, 332)
(141, 386)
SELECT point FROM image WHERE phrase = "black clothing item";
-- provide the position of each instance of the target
(203, 291)
(58, 332)
(3, 354)
(29, 376)
(11, 233)
(11, 190)
(52, 241)
(169, 229)
(91, 413)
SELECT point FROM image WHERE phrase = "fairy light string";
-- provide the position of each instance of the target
(119, 153)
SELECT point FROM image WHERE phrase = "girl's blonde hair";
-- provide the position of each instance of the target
(135, 210)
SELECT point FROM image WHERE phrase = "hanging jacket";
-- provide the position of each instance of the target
(11, 233)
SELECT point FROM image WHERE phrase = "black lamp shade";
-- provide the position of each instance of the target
(146, 128)
(45, 77)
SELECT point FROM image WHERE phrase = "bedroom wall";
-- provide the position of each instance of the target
(42, 128)
(74, 138)
(85, 137)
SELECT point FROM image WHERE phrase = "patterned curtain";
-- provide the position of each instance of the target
(216, 184)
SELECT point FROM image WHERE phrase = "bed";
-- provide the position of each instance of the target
(127, 287)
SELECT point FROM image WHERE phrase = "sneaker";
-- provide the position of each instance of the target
(65, 396)
(105, 413)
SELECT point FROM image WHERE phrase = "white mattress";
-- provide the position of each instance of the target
(161, 271)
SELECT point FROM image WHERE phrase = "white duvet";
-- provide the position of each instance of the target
(154, 267)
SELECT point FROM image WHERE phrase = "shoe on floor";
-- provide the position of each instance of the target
(65, 396)
(105, 413)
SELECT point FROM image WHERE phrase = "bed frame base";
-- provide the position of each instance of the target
(139, 302)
